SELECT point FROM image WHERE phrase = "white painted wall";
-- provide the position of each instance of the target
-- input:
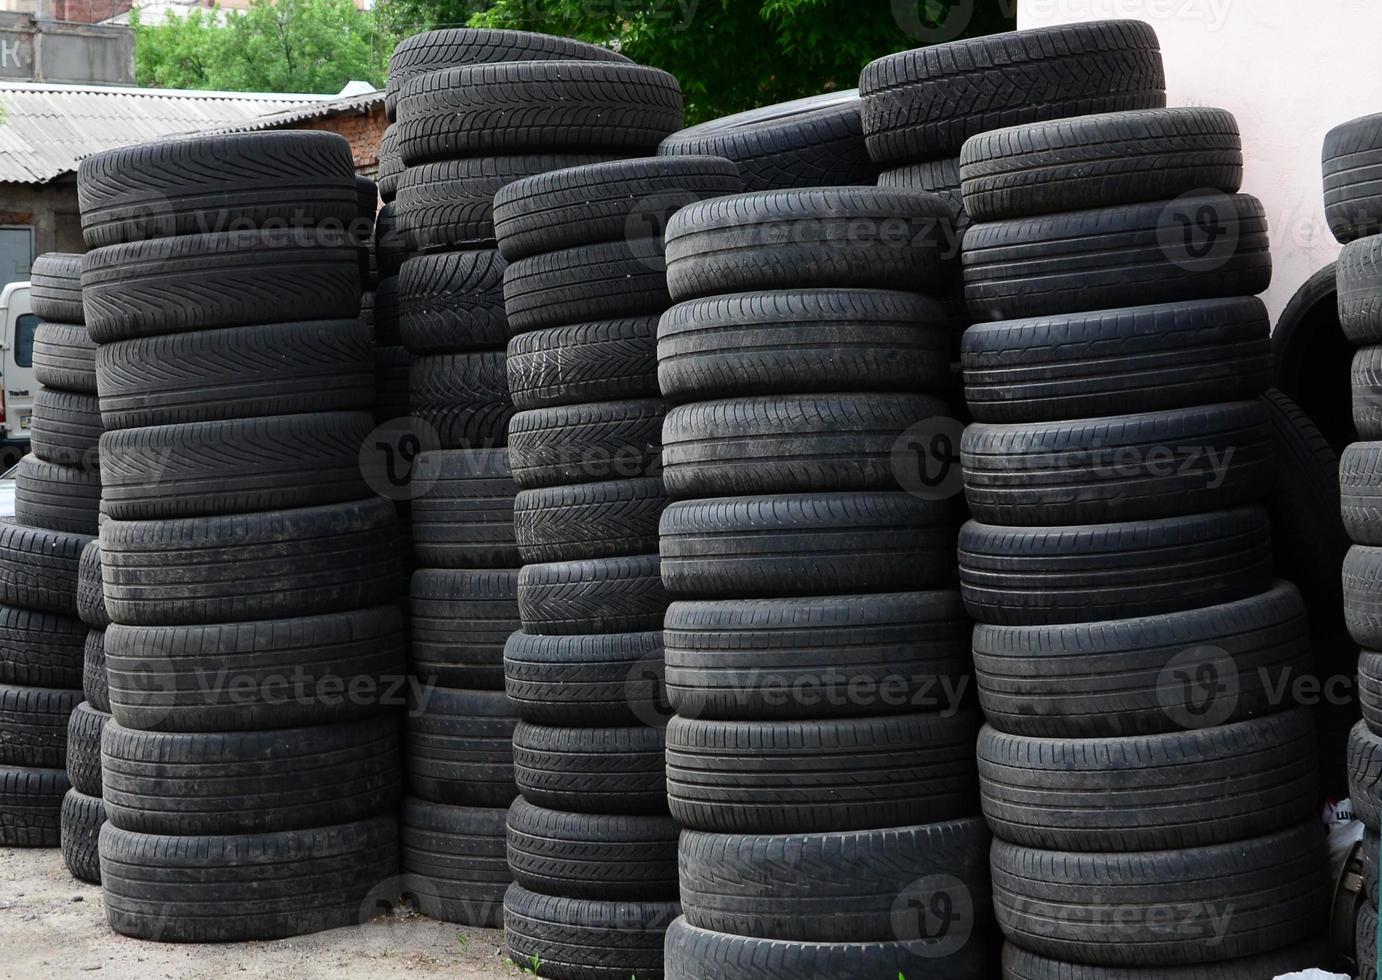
(1290, 70)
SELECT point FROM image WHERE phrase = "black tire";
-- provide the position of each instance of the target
(1063, 905)
(845, 886)
(1365, 774)
(1358, 276)
(207, 184)
(38, 568)
(800, 777)
(606, 281)
(57, 497)
(1369, 857)
(91, 600)
(1359, 471)
(818, 543)
(178, 678)
(817, 141)
(390, 165)
(1162, 673)
(865, 237)
(1118, 468)
(1151, 792)
(1362, 581)
(81, 820)
(251, 782)
(1112, 362)
(1370, 688)
(232, 279)
(453, 302)
(804, 340)
(591, 770)
(584, 939)
(392, 384)
(40, 649)
(1196, 247)
(1365, 378)
(463, 510)
(465, 397)
(66, 427)
(536, 107)
(1100, 161)
(586, 443)
(31, 806)
(84, 727)
(599, 856)
(1018, 964)
(586, 680)
(65, 357)
(836, 656)
(95, 686)
(940, 177)
(789, 443)
(432, 51)
(453, 862)
(239, 372)
(459, 622)
(1365, 942)
(242, 567)
(202, 469)
(590, 520)
(1034, 576)
(599, 595)
(201, 889)
(450, 204)
(458, 747)
(388, 248)
(1352, 164)
(607, 360)
(33, 725)
(604, 202)
(695, 953)
(925, 103)
(55, 288)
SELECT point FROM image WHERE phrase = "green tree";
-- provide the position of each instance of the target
(729, 55)
(314, 46)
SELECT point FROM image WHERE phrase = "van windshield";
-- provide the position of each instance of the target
(24, 339)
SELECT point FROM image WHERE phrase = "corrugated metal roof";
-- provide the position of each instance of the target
(47, 129)
(286, 118)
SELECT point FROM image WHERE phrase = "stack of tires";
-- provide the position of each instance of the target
(590, 843)
(1353, 207)
(83, 812)
(476, 110)
(251, 772)
(821, 759)
(57, 495)
(1143, 762)
(921, 105)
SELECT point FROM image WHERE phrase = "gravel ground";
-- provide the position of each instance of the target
(54, 926)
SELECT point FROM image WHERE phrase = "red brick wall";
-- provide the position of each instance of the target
(84, 11)
(364, 130)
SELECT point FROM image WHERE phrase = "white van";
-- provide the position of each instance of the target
(16, 372)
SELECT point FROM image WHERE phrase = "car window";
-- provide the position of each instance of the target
(24, 339)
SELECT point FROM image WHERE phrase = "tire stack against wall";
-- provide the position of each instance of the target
(57, 495)
(251, 772)
(1353, 208)
(1144, 761)
(820, 760)
(475, 111)
(590, 843)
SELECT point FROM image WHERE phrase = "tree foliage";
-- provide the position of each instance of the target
(730, 55)
(314, 46)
